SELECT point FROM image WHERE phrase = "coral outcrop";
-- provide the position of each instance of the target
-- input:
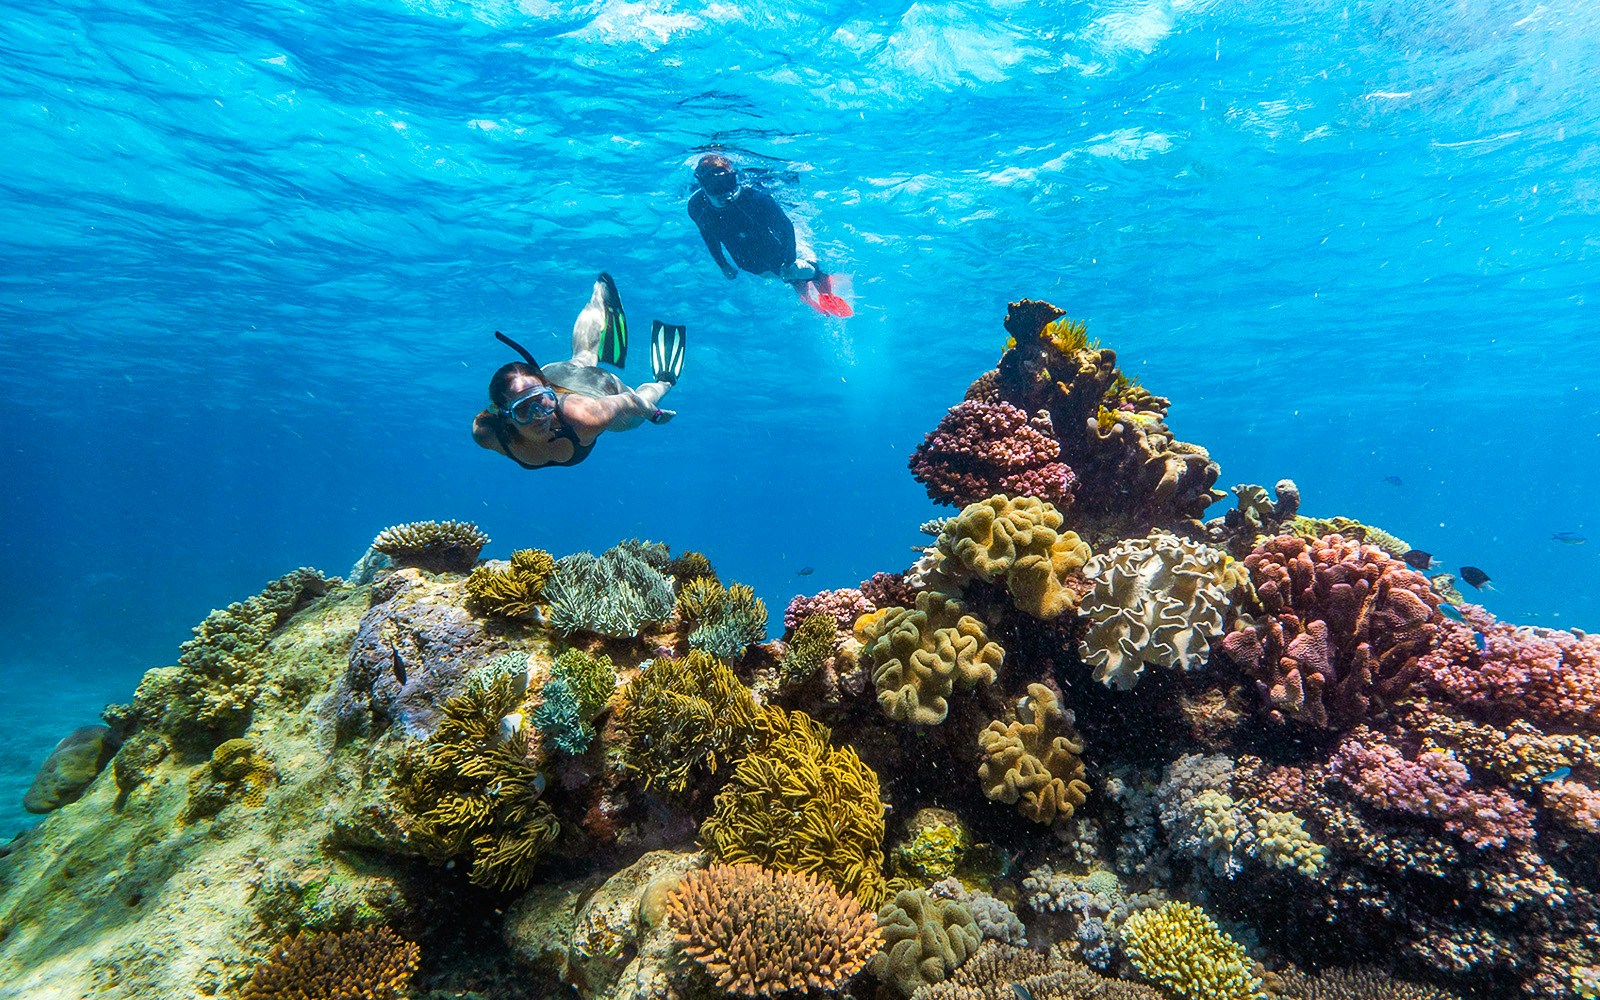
(721, 620)
(684, 719)
(920, 655)
(435, 546)
(619, 593)
(1034, 761)
(80, 756)
(1019, 544)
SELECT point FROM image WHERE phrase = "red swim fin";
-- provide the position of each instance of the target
(829, 304)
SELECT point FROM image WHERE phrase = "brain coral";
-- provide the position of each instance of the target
(680, 718)
(763, 933)
(1033, 761)
(367, 964)
(924, 939)
(617, 594)
(436, 546)
(512, 591)
(1159, 599)
(1179, 948)
(983, 448)
(920, 654)
(1344, 627)
(1018, 543)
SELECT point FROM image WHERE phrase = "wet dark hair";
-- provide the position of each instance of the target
(500, 384)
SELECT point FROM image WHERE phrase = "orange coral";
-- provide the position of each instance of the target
(762, 933)
(373, 963)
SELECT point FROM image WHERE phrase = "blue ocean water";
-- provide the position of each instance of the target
(252, 255)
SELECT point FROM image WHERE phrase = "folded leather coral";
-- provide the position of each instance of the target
(920, 655)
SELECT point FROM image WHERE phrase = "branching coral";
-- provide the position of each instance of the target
(1159, 599)
(1034, 761)
(436, 546)
(1344, 627)
(513, 591)
(373, 963)
(920, 654)
(617, 594)
(474, 789)
(1548, 676)
(1019, 544)
(683, 718)
(843, 606)
(721, 621)
(924, 939)
(761, 933)
(797, 804)
(1575, 804)
(1000, 971)
(1179, 948)
(1354, 984)
(980, 449)
(237, 772)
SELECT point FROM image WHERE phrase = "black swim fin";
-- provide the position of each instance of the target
(666, 351)
(614, 331)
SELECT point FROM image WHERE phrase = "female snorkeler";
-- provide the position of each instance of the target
(540, 417)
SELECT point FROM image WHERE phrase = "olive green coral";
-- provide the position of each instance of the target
(797, 804)
(919, 655)
(1182, 950)
(617, 593)
(237, 772)
(925, 938)
(367, 964)
(514, 590)
(808, 649)
(1034, 760)
(1018, 543)
(436, 546)
(474, 790)
(683, 718)
(721, 621)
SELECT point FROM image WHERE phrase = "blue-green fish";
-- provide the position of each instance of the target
(1568, 538)
(1022, 992)
(1452, 612)
(1481, 640)
(1557, 774)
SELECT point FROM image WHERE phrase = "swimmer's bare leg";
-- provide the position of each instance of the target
(586, 330)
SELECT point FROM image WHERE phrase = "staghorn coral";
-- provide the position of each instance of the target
(721, 621)
(981, 448)
(762, 933)
(373, 963)
(797, 804)
(924, 940)
(237, 772)
(1547, 676)
(1354, 984)
(435, 546)
(515, 590)
(682, 718)
(1343, 630)
(1034, 761)
(919, 656)
(617, 594)
(473, 789)
(1181, 949)
(1017, 543)
(1160, 599)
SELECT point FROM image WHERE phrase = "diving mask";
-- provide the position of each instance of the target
(536, 405)
(718, 183)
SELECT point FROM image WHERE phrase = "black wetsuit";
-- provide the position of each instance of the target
(759, 237)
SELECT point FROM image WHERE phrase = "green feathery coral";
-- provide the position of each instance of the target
(579, 688)
(616, 594)
(684, 717)
(1182, 950)
(560, 721)
(593, 679)
(722, 621)
(513, 591)
(809, 648)
(690, 566)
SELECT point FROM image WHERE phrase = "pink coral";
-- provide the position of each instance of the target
(1432, 783)
(844, 606)
(1345, 625)
(889, 590)
(1541, 674)
(983, 449)
(1576, 804)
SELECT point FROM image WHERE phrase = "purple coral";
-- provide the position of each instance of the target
(1541, 674)
(844, 606)
(982, 449)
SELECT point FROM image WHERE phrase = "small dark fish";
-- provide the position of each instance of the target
(1022, 992)
(1568, 538)
(399, 668)
(1394, 480)
(1418, 559)
(804, 571)
(1557, 774)
(1481, 640)
(1475, 576)
(1452, 612)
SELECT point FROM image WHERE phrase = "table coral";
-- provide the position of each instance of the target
(616, 594)
(721, 621)
(761, 933)
(684, 718)
(435, 546)
(924, 940)
(919, 656)
(980, 449)
(1034, 761)
(1160, 599)
(1344, 627)
(373, 963)
(1019, 544)
(1181, 949)
(513, 590)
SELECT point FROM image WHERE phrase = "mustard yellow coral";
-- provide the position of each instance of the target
(1017, 542)
(235, 773)
(683, 717)
(373, 963)
(512, 591)
(1182, 950)
(1033, 761)
(919, 655)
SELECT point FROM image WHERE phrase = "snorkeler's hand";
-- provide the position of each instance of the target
(662, 416)
(729, 271)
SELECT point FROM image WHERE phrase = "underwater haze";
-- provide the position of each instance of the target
(254, 253)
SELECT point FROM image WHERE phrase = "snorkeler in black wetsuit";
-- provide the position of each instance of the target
(749, 223)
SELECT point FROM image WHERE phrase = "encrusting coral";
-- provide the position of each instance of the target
(684, 718)
(515, 590)
(617, 594)
(762, 933)
(1160, 599)
(721, 621)
(237, 772)
(373, 963)
(797, 804)
(1034, 761)
(435, 546)
(924, 939)
(1018, 543)
(920, 655)
(1182, 950)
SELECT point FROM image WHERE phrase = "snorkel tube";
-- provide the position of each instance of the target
(516, 347)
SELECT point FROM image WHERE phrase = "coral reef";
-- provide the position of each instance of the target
(843, 606)
(682, 719)
(999, 971)
(617, 594)
(579, 688)
(1160, 599)
(808, 650)
(1179, 948)
(374, 963)
(1549, 677)
(924, 940)
(721, 621)
(762, 933)
(1353, 984)
(435, 546)
(513, 590)
(1254, 518)
(1019, 544)
(980, 449)
(935, 842)
(920, 655)
(1034, 761)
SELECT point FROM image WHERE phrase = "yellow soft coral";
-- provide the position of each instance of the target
(1034, 761)
(920, 654)
(683, 717)
(1179, 948)
(1017, 543)
(513, 591)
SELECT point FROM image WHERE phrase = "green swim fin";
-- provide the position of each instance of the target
(614, 334)
(666, 351)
